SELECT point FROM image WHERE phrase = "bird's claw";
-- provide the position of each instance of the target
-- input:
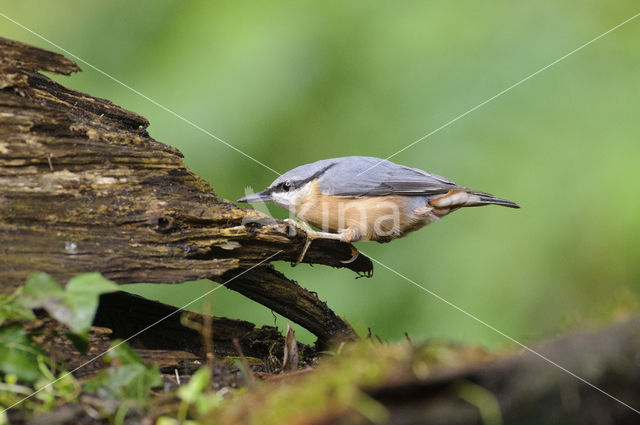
(311, 235)
(309, 238)
(304, 251)
(354, 255)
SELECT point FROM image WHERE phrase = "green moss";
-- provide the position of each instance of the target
(337, 386)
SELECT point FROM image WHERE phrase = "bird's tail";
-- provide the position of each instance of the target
(469, 198)
(479, 198)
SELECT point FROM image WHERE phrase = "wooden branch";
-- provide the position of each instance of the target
(529, 390)
(83, 187)
(272, 289)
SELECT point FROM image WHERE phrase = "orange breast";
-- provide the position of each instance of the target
(381, 218)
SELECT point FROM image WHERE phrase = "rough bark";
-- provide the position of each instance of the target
(83, 187)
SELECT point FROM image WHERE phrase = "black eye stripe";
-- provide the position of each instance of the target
(287, 185)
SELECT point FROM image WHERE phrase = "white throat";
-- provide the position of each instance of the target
(292, 199)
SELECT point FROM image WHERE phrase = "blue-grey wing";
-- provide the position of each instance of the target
(366, 176)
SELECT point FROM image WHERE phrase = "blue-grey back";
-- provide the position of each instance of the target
(358, 176)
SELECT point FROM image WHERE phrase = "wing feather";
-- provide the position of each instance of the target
(355, 178)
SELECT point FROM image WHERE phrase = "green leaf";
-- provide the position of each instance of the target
(195, 393)
(79, 340)
(83, 293)
(18, 354)
(74, 306)
(127, 377)
(12, 310)
(196, 386)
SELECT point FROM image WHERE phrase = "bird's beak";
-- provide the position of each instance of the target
(256, 197)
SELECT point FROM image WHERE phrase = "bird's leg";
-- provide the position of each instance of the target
(348, 235)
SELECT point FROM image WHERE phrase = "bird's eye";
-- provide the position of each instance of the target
(286, 186)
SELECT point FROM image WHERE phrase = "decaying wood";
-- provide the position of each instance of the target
(530, 390)
(446, 384)
(83, 187)
(126, 314)
(160, 335)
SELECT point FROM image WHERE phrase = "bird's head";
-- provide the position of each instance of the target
(288, 189)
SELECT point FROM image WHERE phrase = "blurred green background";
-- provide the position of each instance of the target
(293, 82)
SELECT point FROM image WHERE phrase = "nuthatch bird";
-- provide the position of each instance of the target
(359, 198)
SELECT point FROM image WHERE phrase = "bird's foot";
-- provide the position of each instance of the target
(346, 236)
(354, 255)
(309, 234)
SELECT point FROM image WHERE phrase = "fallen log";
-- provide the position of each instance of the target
(84, 187)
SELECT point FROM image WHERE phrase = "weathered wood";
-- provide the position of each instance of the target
(528, 389)
(127, 314)
(83, 187)
(439, 383)
(294, 302)
(158, 334)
